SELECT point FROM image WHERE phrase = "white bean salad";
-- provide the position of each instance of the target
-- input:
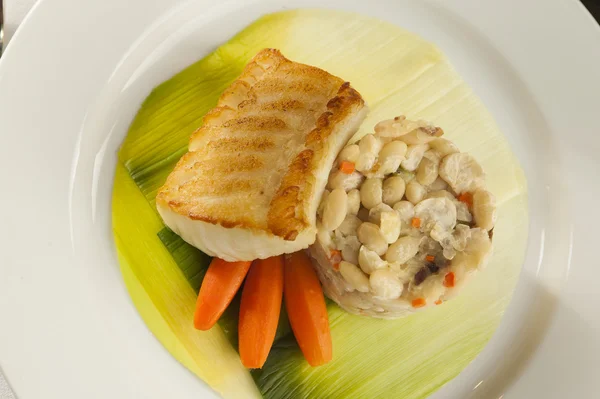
(404, 221)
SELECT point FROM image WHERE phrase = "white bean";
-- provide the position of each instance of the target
(484, 209)
(371, 192)
(323, 202)
(375, 212)
(350, 248)
(390, 225)
(422, 135)
(349, 225)
(334, 211)
(349, 153)
(438, 184)
(415, 192)
(427, 172)
(365, 162)
(347, 182)
(413, 156)
(440, 194)
(353, 202)
(370, 235)
(433, 156)
(443, 147)
(405, 209)
(393, 190)
(385, 284)
(370, 143)
(391, 127)
(324, 237)
(390, 157)
(369, 147)
(369, 261)
(403, 249)
(354, 276)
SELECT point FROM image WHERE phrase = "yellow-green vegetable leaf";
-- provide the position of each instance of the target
(398, 73)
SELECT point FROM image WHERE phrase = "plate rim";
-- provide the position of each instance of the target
(16, 40)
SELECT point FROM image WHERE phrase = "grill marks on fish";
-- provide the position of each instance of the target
(257, 146)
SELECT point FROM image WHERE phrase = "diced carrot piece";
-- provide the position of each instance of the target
(305, 305)
(430, 258)
(466, 198)
(347, 167)
(415, 222)
(220, 284)
(259, 310)
(449, 280)
(419, 302)
(438, 302)
(336, 258)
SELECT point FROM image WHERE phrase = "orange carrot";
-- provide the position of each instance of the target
(430, 258)
(305, 305)
(347, 167)
(259, 310)
(221, 282)
(336, 258)
(415, 222)
(419, 302)
(438, 302)
(466, 198)
(449, 280)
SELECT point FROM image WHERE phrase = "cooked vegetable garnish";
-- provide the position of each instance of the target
(259, 310)
(221, 282)
(419, 302)
(466, 198)
(415, 222)
(449, 280)
(347, 167)
(438, 302)
(430, 258)
(305, 305)
(336, 258)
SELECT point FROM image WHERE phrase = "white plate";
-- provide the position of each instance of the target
(76, 72)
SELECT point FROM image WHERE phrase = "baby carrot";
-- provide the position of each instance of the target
(220, 284)
(259, 310)
(305, 305)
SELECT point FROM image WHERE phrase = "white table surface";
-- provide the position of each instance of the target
(14, 12)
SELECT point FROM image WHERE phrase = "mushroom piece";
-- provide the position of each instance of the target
(369, 261)
(439, 212)
(422, 135)
(462, 172)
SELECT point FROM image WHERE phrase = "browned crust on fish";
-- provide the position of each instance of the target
(227, 178)
(286, 215)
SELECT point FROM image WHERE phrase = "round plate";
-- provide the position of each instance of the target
(74, 76)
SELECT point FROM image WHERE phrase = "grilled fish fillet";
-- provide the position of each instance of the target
(251, 182)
